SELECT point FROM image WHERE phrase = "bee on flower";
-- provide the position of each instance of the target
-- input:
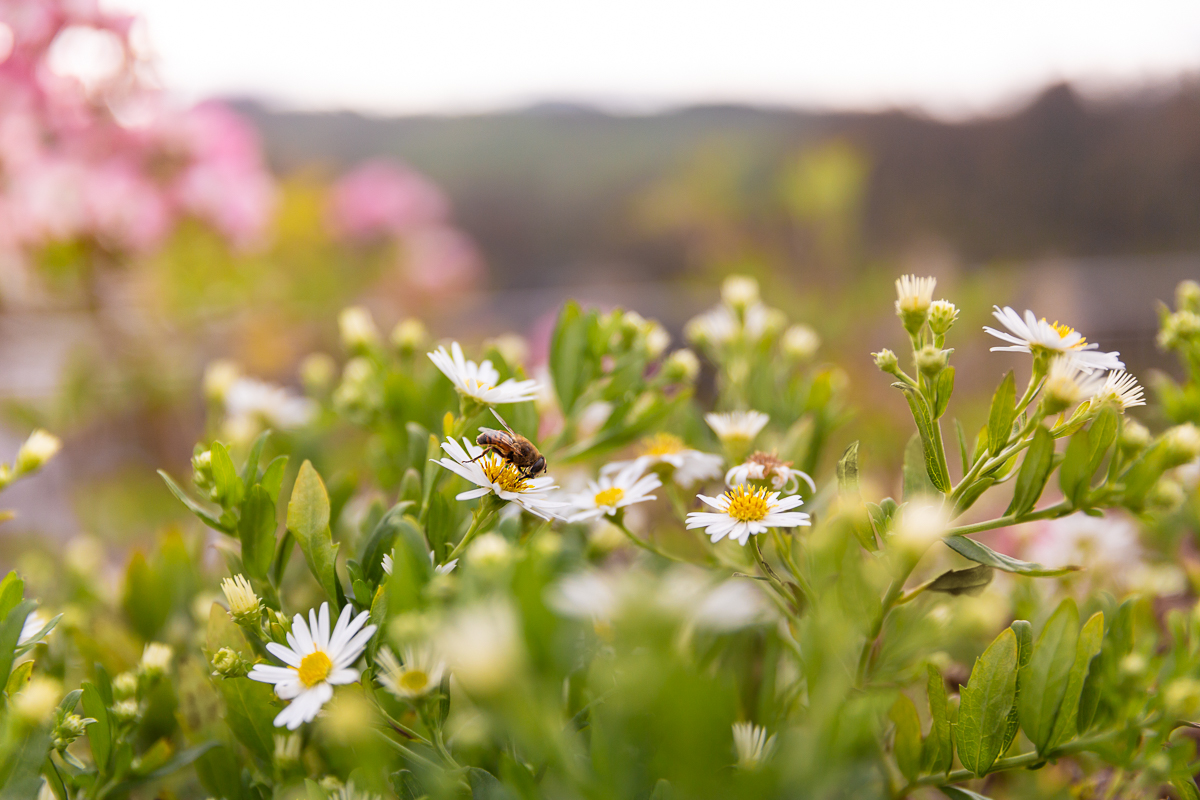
(491, 474)
(612, 492)
(743, 511)
(1039, 337)
(666, 454)
(481, 382)
(316, 660)
(762, 466)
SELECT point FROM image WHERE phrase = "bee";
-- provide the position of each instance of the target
(512, 447)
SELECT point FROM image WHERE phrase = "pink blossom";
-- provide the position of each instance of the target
(382, 198)
(440, 259)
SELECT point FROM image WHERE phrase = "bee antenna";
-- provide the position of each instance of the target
(502, 422)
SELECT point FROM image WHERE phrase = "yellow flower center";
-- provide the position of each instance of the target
(503, 474)
(747, 505)
(662, 444)
(610, 497)
(314, 668)
(414, 680)
(1064, 330)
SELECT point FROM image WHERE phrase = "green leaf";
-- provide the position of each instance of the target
(381, 538)
(1086, 649)
(10, 634)
(485, 786)
(939, 745)
(12, 589)
(147, 601)
(250, 468)
(272, 479)
(18, 678)
(220, 774)
(99, 733)
(1044, 680)
(847, 471)
(916, 477)
(1186, 786)
(982, 554)
(1035, 469)
(568, 355)
(230, 489)
(222, 632)
(985, 703)
(204, 515)
(308, 520)
(21, 765)
(250, 712)
(970, 581)
(943, 390)
(257, 531)
(411, 567)
(927, 429)
(972, 493)
(1024, 632)
(906, 743)
(1001, 415)
(1073, 477)
(1102, 434)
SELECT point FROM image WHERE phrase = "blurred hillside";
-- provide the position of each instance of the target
(550, 192)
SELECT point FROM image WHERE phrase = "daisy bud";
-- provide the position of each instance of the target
(1181, 444)
(126, 711)
(800, 343)
(125, 686)
(1178, 329)
(752, 745)
(482, 647)
(287, 749)
(490, 552)
(1135, 437)
(68, 729)
(219, 375)
(682, 366)
(409, 335)
(657, 340)
(243, 602)
(35, 704)
(739, 292)
(1182, 698)
(1187, 296)
(512, 348)
(39, 448)
(227, 663)
(942, 314)
(1166, 495)
(932, 360)
(886, 361)
(317, 372)
(357, 328)
(1063, 387)
(913, 297)
(202, 474)
(919, 526)
(156, 659)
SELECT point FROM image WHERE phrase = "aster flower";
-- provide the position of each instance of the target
(584, 595)
(611, 492)
(1033, 335)
(439, 569)
(914, 295)
(1121, 388)
(243, 602)
(249, 401)
(690, 466)
(419, 674)
(481, 382)
(752, 745)
(743, 511)
(737, 427)
(317, 660)
(762, 466)
(1067, 383)
(493, 475)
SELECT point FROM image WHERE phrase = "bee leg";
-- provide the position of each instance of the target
(486, 450)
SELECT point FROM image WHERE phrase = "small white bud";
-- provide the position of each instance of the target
(800, 343)
(39, 448)
(739, 291)
(357, 328)
(219, 375)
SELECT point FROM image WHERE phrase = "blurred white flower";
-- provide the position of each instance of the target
(739, 291)
(689, 466)
(731, 605)
(1106, 545)
(1067, 383)
(492, 474)
(481, 645)
(737, 427)
(317, 660)
(34, 704)
(357, 328)
(419, 673)
(741, 512)
(251, 401)
(800, 342)
(156, 659)
(481, 382)
(40, 447)
(219, 375)
(762, 466)
(752, 745)
(349, 792)
(714, 327)
(584, 595)
(1033, 335)
(611, 492)
(490, 551)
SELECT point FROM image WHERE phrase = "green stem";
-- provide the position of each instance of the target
(890, 599)
(768, 572)
(483, 515)
(785, 553)
(618, 521)
(1048, 512)
(988, 464)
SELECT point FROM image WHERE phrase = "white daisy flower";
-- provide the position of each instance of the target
(1067, 383)
(481, 382)
(731, 605)
(762, 466)
(715, 327)
(1032, 335)
(603, 497)
(914, 295)
(690, 466)
(349, 792)
(492, 474)
(439, 569)
(1121, 388)
(317, 660)
(420, 673)
(584, 595)
(752, 744)
(248, 401)
(34, 623)
(743, 511)
(737, 427)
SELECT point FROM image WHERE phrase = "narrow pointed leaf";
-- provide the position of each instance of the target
(1002, 414)
(982, 554)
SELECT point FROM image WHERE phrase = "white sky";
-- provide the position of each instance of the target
(951, 57)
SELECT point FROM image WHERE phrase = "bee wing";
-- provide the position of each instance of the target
(502, 422)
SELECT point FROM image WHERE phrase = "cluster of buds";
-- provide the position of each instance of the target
(202, 473)
(67, 728)
(741, 317)
(358, 395)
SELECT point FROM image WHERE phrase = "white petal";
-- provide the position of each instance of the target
(284, 654)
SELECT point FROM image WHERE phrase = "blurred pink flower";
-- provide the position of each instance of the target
(440, 259)
(124, 210)
(383, 198)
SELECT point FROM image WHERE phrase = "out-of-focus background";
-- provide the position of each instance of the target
(183, 182)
